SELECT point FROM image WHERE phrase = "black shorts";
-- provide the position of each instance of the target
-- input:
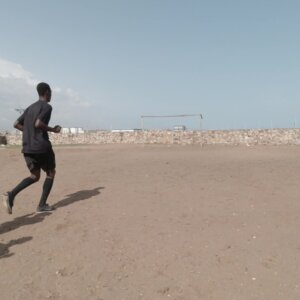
(37, 161)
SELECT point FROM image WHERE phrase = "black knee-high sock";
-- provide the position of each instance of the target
(21, 186)
(46, 190)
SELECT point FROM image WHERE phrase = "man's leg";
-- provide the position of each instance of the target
(10, 196)
(46, 191)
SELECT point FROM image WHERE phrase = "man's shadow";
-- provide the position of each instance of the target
(34, 218)
(4, 248)
(28, 219)
(78, 196)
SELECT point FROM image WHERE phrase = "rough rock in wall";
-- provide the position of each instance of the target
(3, 140)
(210, 137)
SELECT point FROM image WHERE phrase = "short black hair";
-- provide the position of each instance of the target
(42, 88)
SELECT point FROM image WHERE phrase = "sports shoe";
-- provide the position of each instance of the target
(44, 209)
(7, 199)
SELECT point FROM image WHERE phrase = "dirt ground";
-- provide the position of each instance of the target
(155, 222)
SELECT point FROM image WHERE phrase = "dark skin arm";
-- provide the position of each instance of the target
(18, 126)
(43, 126)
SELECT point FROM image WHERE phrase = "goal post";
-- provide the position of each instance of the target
(199, 116)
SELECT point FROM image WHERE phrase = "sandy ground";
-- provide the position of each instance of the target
(155, 222)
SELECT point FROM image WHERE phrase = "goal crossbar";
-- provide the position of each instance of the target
(172, 116)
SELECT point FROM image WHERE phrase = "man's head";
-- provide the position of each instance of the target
(44, 91)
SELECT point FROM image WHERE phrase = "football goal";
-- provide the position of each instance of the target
(177, 126)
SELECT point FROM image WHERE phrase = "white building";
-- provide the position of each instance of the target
(72, 130)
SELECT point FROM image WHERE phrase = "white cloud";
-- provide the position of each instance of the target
(75, 98)
(17, 90)
(11, 70)
(57, 89)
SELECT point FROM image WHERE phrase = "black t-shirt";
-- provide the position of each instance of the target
(36, 140)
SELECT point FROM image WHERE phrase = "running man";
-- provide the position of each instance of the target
(37, 148)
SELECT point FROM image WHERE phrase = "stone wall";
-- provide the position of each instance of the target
(210, 137)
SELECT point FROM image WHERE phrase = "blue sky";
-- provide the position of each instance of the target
(236, 62)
